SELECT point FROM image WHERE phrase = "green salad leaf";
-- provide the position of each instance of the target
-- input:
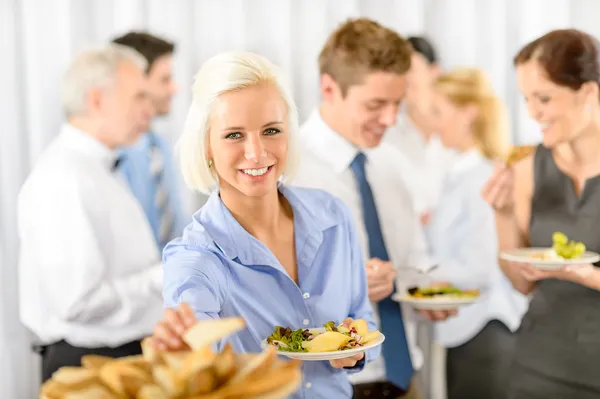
(288, 340)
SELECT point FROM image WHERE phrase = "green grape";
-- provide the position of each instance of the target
(558, 249)
(565, 248)
(579, 249)
(559, 238)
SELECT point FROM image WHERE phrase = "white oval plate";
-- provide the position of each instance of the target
(315, 356)
(527, 255)
(434, 303)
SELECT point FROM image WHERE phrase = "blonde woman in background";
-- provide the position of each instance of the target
(470, 119)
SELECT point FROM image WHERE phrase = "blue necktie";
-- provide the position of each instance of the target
(161, 195)
(398, 365)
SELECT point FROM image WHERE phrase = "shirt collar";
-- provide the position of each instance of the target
(465, 161)
(84, 143)
(407, 126)
(234, 241)
(329, 145)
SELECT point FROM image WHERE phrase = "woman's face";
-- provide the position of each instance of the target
(420, 78)
(561, 112)
(451, 122)
(248, 140)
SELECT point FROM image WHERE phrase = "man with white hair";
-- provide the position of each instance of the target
(90, 272)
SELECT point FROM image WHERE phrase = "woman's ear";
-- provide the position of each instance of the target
(329, 88)
(471, 112)
(591, 93)
(435, 71)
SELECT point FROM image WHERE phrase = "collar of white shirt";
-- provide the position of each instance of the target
(83, 143)
(464, 161)
(327, 144)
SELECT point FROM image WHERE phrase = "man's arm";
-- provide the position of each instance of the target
(70, 251)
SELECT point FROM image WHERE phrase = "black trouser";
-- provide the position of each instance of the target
(377, 390)
(480, 368)
(59, 354)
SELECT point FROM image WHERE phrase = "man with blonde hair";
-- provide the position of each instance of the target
(90, 273)
(363, 68)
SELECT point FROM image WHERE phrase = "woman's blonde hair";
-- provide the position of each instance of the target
(224, 73)
(470, 86)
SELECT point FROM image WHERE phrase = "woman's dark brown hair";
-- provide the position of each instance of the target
(569, 57)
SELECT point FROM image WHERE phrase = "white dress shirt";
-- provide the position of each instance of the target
(325, 164)
(462, 238)
(90, 271)
(429, 161)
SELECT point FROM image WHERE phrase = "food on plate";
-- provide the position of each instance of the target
(518, 153)
(199, 373)
(448, 291)
(562, 248)
(333, 338)
(567, 249)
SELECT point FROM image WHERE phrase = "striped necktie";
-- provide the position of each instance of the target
(164, 225)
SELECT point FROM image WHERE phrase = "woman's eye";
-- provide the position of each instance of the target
(373, 107)
(544, 99)
(272, 131)
(233, 136)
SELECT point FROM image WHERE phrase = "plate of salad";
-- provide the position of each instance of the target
(324, 343)
(564, 252)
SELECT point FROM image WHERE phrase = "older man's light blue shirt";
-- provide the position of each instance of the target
(136, 169)
(222, 271)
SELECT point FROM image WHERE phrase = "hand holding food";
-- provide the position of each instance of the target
(380, 277)
(518, 153)
(199, 373)
(168, 332)
(499, 190)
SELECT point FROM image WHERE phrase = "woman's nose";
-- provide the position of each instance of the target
(255, 150)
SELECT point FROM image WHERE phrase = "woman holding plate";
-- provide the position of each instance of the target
(470, 119)
(556, 189)
(272, 254)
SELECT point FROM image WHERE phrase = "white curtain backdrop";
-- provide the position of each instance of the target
(39, 37)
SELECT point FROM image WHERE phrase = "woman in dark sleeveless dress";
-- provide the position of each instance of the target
(556, 189)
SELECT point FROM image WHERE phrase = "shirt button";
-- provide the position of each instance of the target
(308, 385)
(306, 295)
(305, 322)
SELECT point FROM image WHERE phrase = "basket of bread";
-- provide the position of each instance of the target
(197, 373)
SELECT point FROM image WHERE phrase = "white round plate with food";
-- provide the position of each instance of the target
(546, 258)
(318, 355)
(435, 303)
(437, 298)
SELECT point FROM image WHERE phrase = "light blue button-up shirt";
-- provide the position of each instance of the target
(222, 271)
(462, 237)
(136, 170)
